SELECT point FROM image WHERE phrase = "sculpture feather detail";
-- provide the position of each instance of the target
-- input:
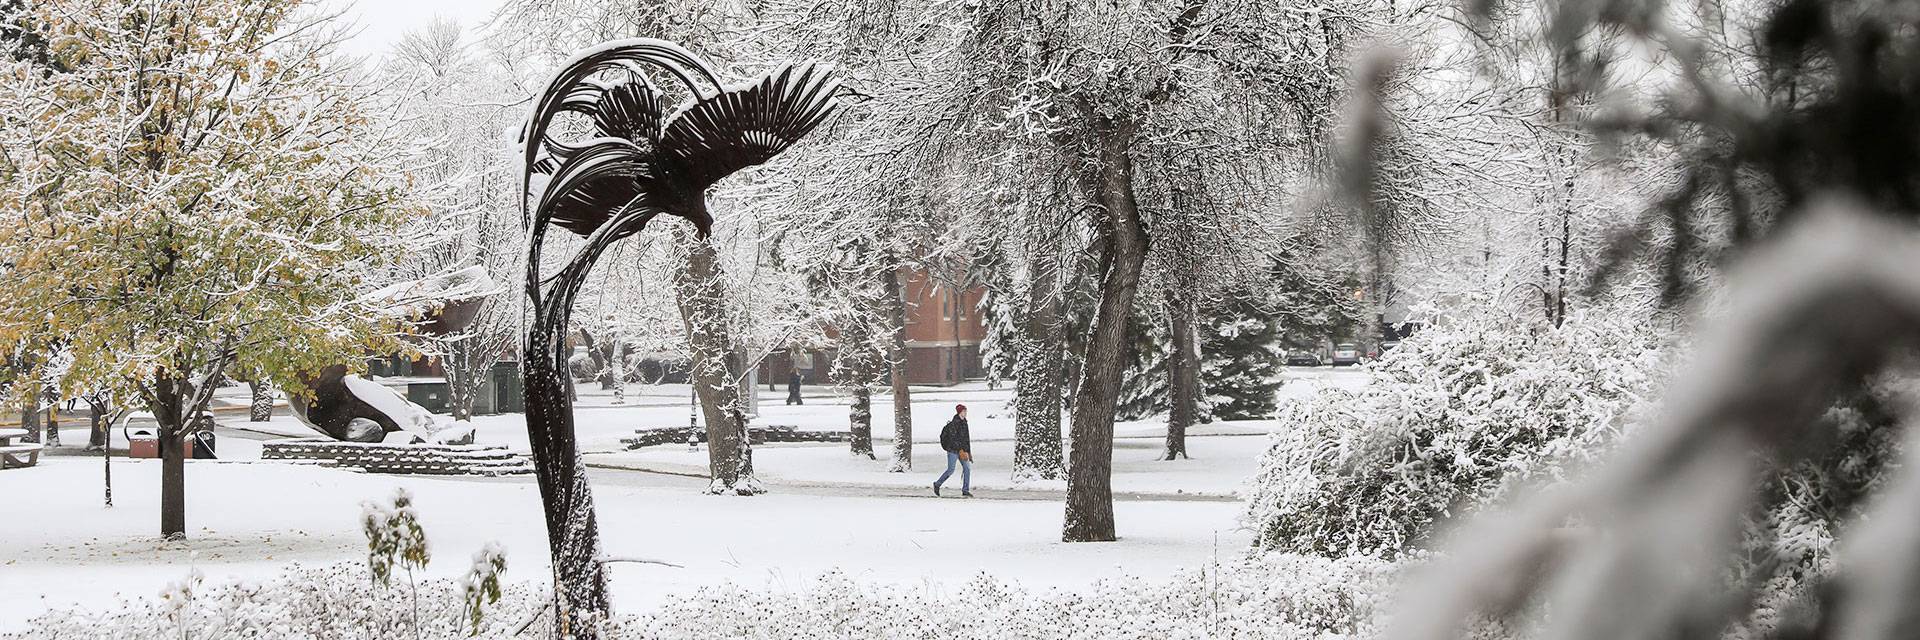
(642, 159)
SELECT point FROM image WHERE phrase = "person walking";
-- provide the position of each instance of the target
(959, 446)
(793, 386)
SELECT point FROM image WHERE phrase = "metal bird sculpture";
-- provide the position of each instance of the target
(639, 161)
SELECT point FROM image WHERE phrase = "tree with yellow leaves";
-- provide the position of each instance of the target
(193, 188)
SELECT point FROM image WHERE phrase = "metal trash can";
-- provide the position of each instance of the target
(202, 445)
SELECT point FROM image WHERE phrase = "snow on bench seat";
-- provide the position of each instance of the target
(15, 456)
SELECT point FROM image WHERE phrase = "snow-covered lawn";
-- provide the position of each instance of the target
(248, 519)
(828, 510)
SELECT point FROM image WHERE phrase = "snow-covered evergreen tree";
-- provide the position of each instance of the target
(1239, 366)
(1240, 362)
(1144, 392)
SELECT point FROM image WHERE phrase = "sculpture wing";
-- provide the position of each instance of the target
(604, 177)
(575, 88)
(746, 126)
(631, 110)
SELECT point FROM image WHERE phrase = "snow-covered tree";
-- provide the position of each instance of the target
(859, 211)
(199, 189)
(1137, 115)
(1239, 365)
(1240, 361)
(449, 96)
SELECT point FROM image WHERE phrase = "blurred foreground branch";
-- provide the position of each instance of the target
(1814, 314)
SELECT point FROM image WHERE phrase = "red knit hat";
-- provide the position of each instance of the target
(959, 408)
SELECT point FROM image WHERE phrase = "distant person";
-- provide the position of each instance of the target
(959, 446)
(793, 386)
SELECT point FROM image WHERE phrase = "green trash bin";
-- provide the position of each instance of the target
(507, 395)
(431, 395)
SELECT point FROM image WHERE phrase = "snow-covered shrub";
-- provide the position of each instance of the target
(1448, 421)
(1275, 596)
(325, 603)
(393, 535)
(480, 586)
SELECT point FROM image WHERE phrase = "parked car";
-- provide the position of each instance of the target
(1346, 353)
(1388, 345)
(1303, 358)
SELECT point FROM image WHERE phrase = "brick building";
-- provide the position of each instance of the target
(944, 330)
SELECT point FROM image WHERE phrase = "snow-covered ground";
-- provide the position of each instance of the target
(827, 510)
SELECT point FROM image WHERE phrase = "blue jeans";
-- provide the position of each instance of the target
(966, 472)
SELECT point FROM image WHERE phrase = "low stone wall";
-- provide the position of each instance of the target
(374, 457)
(755, 435)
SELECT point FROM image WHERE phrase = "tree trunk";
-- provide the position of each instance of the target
(262, 408)
(168, 406)
(1037, 376)
(30, 417)
(702, 301)
(1183, 376)
(897, 375)
(1089, 513)
(1079, 300)
(53, 425)
(460, 395)
(97, 423)
(610, 363)
(860, 421)
(468, 365)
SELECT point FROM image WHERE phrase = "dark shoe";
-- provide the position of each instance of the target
(936, 490)
(966, 494)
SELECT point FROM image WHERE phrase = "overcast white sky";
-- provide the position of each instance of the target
(382, 22)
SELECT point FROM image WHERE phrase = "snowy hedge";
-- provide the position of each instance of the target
(1446, 422)
(337, 602)
(1279, 596)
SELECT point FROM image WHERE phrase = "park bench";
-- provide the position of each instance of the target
(16, 455)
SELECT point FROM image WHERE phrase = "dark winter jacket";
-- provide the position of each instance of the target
(954, 437)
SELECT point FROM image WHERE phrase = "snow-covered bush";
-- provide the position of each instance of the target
(1277, 596)
(394, 537)
(325, 603)
(1448, 421)
(480, 586)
